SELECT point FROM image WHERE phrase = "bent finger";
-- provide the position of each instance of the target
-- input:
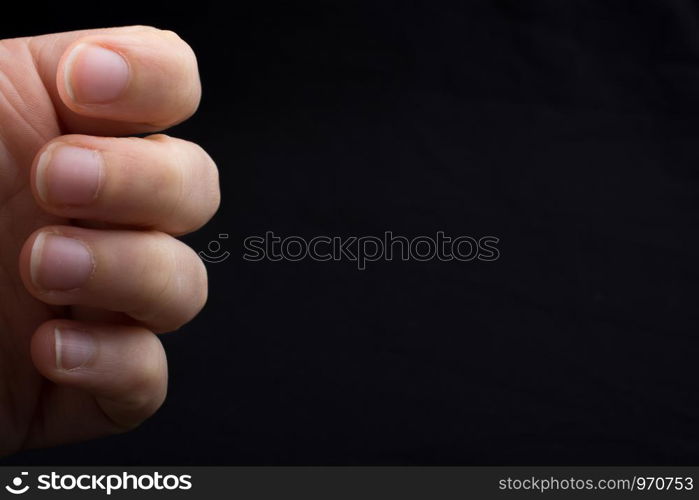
(124, 368)
(150, 276)
(159, 182)
(117, 81)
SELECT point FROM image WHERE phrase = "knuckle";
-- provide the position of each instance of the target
(139, 407)
(144, 399)
(190, 294)
(201, 284)
(171, 34)
(143, 27)
(212, 183)
(184, 96)
(155, 271)
(175, 289)
(161, 268)
(208, 193)
(191, 182)
(145, 387)
(164, 138)
(144, 390)
(168, 184)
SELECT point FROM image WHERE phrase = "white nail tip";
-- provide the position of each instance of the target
(41, 165)
(68, 66)
(59, 348)
(35, 257)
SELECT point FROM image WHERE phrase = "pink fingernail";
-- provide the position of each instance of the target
(59, 263)
(95, 75)
(74, 348)
(67, 175)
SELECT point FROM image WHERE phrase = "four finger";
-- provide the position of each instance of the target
(113, 82)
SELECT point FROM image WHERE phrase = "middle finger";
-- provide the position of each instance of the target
(159, 182)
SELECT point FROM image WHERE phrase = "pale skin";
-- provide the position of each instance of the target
(90, 269)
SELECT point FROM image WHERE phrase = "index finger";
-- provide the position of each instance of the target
(120, 80)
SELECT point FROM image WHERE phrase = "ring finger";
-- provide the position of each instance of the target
(150, 276)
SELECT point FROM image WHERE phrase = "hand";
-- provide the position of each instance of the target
(89, 267)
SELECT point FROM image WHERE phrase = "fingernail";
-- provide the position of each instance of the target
(95, 75)
(59, 263)
(67, 175)
(74, 348)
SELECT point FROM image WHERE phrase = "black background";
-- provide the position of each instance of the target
(568, 129)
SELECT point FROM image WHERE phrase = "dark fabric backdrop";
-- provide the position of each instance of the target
(568, 129)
